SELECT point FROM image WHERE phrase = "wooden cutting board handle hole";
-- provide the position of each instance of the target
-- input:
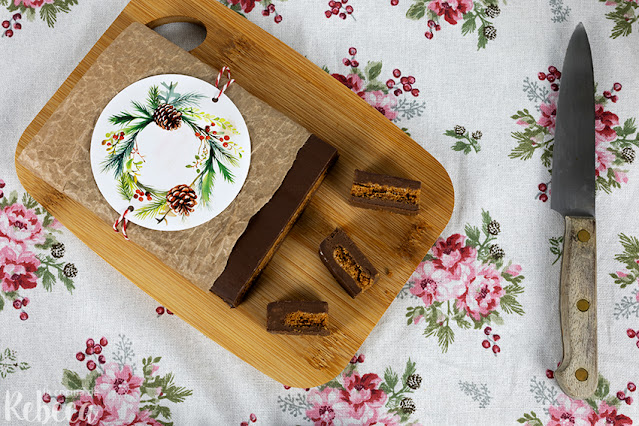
(186, 32)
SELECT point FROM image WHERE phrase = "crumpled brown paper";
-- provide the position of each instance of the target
(59, 153)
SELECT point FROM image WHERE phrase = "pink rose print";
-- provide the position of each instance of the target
(32, 3)
(21, 225)
(352, 81)
(386, 419)
(462, 282)
(452, 10)
(615, 142)
(608, 416)
(451, 254)
(483, 294)
(362, 392)
(434, 284)
(382, 103)
(246, 5)
(17, 270)
(120, 390)
(569, 412)
(548, 113)
(327, 405)
(144, 419)
(91, 411)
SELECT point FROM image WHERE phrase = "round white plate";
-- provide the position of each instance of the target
(164, 135)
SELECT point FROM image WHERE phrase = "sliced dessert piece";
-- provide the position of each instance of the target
(347, 263)
(383, 192)
(297, 317)
(267, 229)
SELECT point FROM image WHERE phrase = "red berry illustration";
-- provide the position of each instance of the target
(390, 83)
(17, 16)
(541, 76)
(353, 360)
(631, 333)
(552, 69)
(278, 19)
(104, 341)
(9, 33)
(407, 87)
(91, 365)
(354, 64)
(169, 312)
(394, 2)
(486, 344)
(90, 343)
(89, 350)
(335, 11)
(346, 62)
(637, 340)
(46, 398)
(349, 9)
(415, 92)
(244, 424)
(352, 51)
(6, 24)
(487, 331)
(61, 399)
(550, 374)
(24, 316)
(438, 27)
(607, 94)
(554, 87)
(550, 77)
(225, 144)
(265, 12)
(403, 80)
(25, 301)
(543, 197)
(621, 396)
(271, 8)
(397, 73)
(616, 87)
(411, 79)
(496, 337)
(97, 349)
(328, 13)
(496, 349)
(428, 35)
(160, 310)
(79, 356)
(2, 184)
(287, 387)
(614, 98)
(543, 187)
(102, 359)
(17, 26)
(632, 387)
(629, 400)
(397, 92)
(253, 417)
(17, 304)
(361, 358)
(431, 23)
(557, 74)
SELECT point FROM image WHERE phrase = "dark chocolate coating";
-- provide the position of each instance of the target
(267, 229)
(276, 314)
(339, 238)
(362, 178)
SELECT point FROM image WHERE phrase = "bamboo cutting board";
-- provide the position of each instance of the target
(365, 139)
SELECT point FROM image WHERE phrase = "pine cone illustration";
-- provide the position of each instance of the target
(407, 405)
(490, 32)
(493, 11)
(493, 227)
(628, 154)
(70, 270)
(477, 135)
(496, 251)
(414, 381)
(460, 130)
(182, 199)
(57, 250)
(167, 117)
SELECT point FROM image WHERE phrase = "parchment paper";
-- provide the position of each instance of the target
(59, 153)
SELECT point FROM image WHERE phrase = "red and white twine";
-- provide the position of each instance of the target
(226, 70)
(124, 221)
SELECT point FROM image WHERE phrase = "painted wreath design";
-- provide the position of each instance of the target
(168, 109)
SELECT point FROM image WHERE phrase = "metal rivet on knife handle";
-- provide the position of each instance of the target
(583, 236)
(583, 305)
(581, 374)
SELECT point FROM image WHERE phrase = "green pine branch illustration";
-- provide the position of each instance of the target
(465, 140)
(9, 363)
(624, 16)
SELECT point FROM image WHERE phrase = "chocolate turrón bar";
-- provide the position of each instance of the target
(267, 229)
(347, 263)
(297, 317)
(383, 192)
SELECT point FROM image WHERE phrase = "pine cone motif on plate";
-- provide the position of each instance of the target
(167, 117)
(493, 11)
(182, 199)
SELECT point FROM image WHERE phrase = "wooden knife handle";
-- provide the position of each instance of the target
(578, 375)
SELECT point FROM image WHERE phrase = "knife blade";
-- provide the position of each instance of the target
(573, 196)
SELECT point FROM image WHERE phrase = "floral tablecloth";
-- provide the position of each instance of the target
(472, 338)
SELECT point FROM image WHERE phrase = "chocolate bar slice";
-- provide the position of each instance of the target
(382, 192)
(267, 229)
(347, 263)
(297, 317)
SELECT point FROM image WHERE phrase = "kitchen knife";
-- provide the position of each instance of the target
(573, 195)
